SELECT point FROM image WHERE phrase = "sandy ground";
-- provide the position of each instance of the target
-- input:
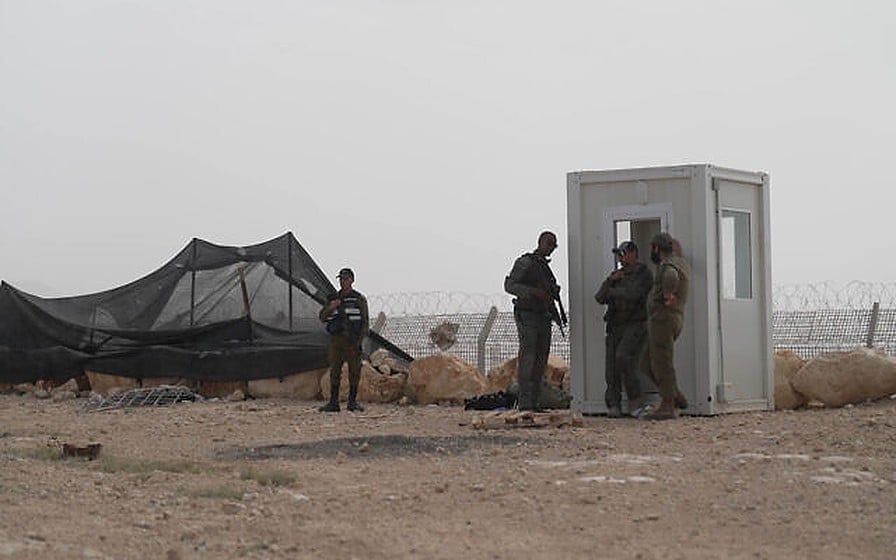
(276, 479)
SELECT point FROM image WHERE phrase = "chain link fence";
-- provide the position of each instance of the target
(808, 319)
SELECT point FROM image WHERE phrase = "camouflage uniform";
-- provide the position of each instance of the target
(626, 317)
(533, 322)
(664, 323)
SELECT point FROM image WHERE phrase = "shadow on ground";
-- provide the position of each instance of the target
(371, 446)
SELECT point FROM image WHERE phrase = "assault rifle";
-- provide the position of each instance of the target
(549, 284)
(558, 314)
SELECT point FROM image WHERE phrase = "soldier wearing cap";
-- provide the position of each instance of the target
(665, 319)
(624, 292)
(348, 322)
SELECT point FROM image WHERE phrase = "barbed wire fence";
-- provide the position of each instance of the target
(808, 319)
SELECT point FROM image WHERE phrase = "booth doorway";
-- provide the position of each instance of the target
(639, 224)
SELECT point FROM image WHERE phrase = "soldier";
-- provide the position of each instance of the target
(535, 288)
(624, 292)
(665, 319)
(348, 322)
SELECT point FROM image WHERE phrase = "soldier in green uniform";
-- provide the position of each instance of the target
(665, 319)
(348, 322)
(535, 287)
(624, 292)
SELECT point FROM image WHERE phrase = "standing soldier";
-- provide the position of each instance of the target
(535, 288)
(348, 322)
(665, 319)
(624, 292)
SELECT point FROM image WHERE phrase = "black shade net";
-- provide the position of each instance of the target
(213, 312)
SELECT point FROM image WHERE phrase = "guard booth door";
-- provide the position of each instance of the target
(741, 291)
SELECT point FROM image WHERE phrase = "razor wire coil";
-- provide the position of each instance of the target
(807, 319)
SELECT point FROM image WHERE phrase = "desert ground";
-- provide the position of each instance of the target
(273, 478)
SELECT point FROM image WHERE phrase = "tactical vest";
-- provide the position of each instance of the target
(346, 319)
(625, 310)
(538, 275)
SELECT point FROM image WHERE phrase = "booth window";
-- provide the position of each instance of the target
(737, 270)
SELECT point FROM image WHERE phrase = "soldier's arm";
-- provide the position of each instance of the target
(669, 281)
(603, 293)
(327, 309)
(365, 316)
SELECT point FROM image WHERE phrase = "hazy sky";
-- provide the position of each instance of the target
(426, 144)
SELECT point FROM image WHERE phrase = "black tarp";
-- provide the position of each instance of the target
(213, 313)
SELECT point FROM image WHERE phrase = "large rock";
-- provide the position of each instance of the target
(108, 384)
(221, 389)
(556, 374)
(385, 362)
(373, 387)
(444, 378)
(303, 386)
(787, 363)
(839, 378)
(445, 335)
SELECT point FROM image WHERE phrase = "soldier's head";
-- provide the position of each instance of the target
(547, 242)
(676, 247)
(661, 246)
(626, 253)
(346, 278)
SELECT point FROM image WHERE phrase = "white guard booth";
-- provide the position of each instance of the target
(724, 356)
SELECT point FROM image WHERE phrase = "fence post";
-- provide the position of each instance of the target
(872, 325)
(379, 323)
(483, 338)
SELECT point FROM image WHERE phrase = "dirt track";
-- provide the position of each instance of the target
(276, 479)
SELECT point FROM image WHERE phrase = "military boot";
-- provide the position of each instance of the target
(333, 405)
(665, 411)
(353, 405)
(524, 399)
(680, 400)
(536, 398)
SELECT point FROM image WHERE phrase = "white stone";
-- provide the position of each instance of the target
(303, 386)
(840, 378)
(787, 363)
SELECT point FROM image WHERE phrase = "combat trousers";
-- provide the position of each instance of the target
(624, 346)
(342, 350)
(663, 328)
(534, 330)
